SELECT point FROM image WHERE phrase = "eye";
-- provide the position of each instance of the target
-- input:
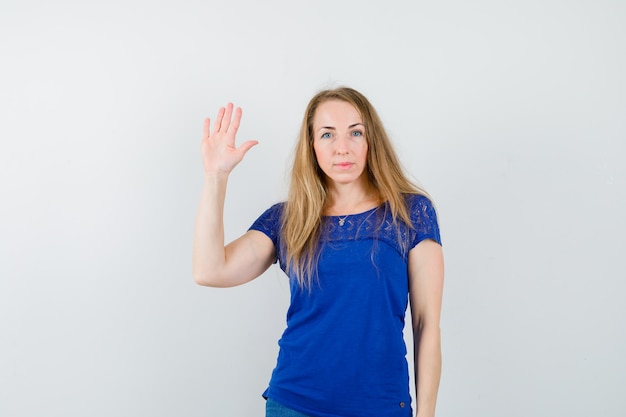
(326, 135)
(357, 133)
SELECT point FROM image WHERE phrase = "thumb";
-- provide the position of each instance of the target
(245, 147)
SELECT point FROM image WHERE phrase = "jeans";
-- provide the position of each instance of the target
(275, 409)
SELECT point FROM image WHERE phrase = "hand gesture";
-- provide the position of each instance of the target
(219, 153)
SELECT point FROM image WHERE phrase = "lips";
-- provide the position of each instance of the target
(344, 165)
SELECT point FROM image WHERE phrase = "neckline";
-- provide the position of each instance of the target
(329, 216)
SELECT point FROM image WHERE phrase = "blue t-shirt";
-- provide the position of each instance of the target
(343, 353)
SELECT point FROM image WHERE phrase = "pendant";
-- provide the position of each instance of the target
(342, 221)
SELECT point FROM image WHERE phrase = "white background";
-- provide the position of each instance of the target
(511, 113)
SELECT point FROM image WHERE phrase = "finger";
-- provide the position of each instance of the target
(245, 147)
(207, 128)
(218, 120)
(227, 116)
(234, 126)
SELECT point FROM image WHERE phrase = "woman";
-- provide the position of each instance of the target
(357, 240)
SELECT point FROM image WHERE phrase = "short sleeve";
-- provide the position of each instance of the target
(269, 223)
(424, 218)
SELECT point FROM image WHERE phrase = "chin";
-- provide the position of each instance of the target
(345, 180)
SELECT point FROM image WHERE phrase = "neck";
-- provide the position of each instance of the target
(350, 199)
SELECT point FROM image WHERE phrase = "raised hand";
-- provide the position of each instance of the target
(219, 153)
(250, 255)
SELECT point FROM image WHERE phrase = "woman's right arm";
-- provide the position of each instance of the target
(244, 259)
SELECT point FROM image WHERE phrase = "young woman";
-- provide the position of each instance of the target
(357, 241)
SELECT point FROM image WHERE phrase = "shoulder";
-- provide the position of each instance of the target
(273, 213)
(276, 210)
(270, 221)
(424, 218)
(417, 203)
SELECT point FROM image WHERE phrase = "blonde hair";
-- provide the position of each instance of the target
(308, 190)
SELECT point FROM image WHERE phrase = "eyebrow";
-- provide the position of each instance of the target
(333, 128)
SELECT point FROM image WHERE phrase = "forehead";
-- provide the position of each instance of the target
(336, 113)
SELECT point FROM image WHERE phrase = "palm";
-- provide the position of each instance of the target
(219, 151)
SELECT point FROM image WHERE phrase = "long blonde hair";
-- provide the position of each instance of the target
(308, 190)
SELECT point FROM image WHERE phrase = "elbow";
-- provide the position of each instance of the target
(206, 278)
(427, 336)
(201, 280)
(421, 326)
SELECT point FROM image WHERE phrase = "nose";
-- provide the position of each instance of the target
(341, 145)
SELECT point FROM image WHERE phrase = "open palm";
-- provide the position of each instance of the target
(219, 152)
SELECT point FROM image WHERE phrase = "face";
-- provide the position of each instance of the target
(339, 142)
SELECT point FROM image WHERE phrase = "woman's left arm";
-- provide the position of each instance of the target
(425, 293)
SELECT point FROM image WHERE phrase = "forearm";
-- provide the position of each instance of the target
(427, 358)
(208, 241)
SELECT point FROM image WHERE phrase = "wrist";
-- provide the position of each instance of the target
(425, 412)
(216, 175)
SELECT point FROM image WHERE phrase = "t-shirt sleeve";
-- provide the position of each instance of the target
(269, 223)
(424, 218)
